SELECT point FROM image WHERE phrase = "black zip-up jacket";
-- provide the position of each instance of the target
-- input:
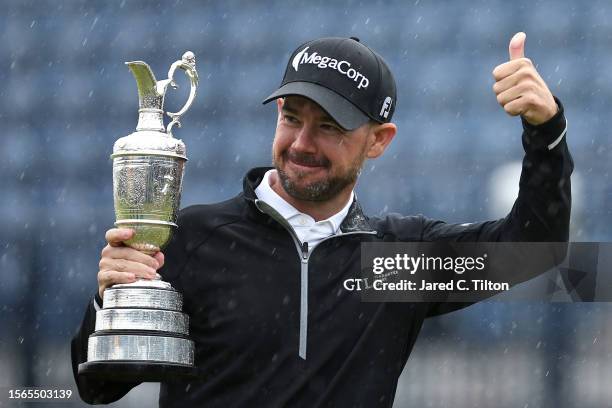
(272, 323)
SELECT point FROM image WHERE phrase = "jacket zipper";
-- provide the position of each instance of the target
(304, 254)
(304, 257)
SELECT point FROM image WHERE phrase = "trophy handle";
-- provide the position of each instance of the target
(187, 64)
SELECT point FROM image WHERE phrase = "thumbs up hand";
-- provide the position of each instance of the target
(520, 89)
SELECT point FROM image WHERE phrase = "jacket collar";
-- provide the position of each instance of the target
(354, 221)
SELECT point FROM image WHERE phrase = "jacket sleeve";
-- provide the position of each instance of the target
(541, 212)
(90, 390)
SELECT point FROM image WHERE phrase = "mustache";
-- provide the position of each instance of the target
(306, 159)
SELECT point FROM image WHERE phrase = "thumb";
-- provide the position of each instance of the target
(517, 46)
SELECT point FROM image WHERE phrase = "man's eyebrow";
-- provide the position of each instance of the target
(287, 107)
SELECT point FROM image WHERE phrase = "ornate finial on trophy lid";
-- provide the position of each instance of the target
(189, 57)
(187, 64)
(151, 93)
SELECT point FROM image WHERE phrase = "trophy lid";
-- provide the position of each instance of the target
(151, 136)
(149, 142)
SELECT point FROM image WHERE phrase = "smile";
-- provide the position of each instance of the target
(304, 166)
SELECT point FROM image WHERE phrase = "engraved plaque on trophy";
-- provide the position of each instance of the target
(141, 332)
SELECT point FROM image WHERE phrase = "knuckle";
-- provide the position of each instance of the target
(103, 278)
(531, 91)
(523, 75)
(532, 101)
(522, 88)
(529, 75)
(113, 277)
(127, 277)
(525, 87)
(527, 99)
(497, 72)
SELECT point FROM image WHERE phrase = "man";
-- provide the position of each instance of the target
(262, 273)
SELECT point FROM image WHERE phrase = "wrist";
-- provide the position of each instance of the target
(540, 137)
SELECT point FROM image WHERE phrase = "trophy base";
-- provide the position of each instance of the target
(137, 371)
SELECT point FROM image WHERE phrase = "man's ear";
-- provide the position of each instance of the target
(380, 136)
(279, 107)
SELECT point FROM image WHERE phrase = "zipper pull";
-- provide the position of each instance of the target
(305, 249)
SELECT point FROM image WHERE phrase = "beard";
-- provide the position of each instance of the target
(319, 190)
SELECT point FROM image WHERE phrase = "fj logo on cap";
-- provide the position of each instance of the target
(343, 67)
(386, 107)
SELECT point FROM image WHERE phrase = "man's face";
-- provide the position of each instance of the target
(314, 157)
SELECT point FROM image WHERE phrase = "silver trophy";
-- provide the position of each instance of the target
(141, 333)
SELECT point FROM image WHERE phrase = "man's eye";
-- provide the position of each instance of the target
(330, 128)
(290, 119)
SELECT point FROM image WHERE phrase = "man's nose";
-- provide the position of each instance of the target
(304, 140)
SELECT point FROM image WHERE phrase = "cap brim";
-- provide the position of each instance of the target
(341, 110)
